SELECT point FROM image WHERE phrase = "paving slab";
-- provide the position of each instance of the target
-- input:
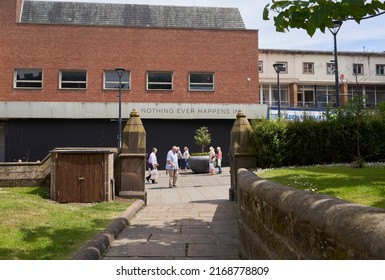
(147, 250)
(213, 250)
(193, 221)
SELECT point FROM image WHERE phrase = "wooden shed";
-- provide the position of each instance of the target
(82, 174)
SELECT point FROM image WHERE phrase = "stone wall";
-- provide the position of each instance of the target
(279, 222)
(21, 174)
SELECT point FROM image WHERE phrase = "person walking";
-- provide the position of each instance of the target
(153, 164)
(212, 158)
(219, 160)
(186, 156)
(172, 166)
(180, 156)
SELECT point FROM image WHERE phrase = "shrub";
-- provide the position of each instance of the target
(347, 135)
(270, 140)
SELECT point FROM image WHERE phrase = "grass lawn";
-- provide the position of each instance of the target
(32, 227)
(359, 185)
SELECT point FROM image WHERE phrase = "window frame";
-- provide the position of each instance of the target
(123, 81)
(380, 67)
(356, 67)
(160, 83)
(260, 66)
(73, 81)
(284, 66)
(306, 69)
(330, 68)
(16, 81)
(211, 84)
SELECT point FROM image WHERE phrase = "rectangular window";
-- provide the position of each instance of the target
(201, 82)
(284, 98)
(73, 79)
(306, 96)
(380, 95)
(111, 80)
(283, 67)
(265, 94)
(308, 68)
(330, 68)
(159, 81)
(28, 78)
(380, 69)
(358, 69)
(325, 95)
(260, 66)
(370, 96)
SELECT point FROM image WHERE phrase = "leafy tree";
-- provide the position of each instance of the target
(320, 14)
(202, 137)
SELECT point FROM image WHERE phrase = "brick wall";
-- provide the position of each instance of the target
(279, 222)
(231, 54)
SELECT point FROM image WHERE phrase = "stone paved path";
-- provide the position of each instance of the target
(193, 221)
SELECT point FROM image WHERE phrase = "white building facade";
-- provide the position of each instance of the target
(308, 78)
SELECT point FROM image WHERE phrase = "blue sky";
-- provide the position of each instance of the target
(368, 36)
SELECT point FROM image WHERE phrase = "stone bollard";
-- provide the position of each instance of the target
(242, 153)
(132, 159)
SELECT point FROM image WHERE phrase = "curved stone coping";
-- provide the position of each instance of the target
(359, 226)
(25, 173)
(95, 248)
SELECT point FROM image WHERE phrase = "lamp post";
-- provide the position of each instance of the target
(120, 72)
(334, 31)
(278, 68)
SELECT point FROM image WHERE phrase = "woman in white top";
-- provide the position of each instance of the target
(186, 155)
(212, 161)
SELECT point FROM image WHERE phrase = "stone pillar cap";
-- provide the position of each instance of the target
(241, 114)
(134, 113)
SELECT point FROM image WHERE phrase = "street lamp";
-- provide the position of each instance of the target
(120, 72)
(334, 31)
(279, 67)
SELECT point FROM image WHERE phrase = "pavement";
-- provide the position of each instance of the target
(196, 220)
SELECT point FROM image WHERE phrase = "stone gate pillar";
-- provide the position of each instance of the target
(242, 153)
(132, 159)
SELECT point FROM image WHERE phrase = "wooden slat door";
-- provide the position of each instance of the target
(79, 177)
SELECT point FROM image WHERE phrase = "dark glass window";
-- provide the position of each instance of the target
(380, 69)
(159, 81)
(111, 80)
(73, 79)
(28, 78)
(201, 82)
(358, 69)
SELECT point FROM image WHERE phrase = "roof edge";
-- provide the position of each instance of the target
(296, 51)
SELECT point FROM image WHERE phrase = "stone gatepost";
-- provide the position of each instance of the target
(132, 159)
(242, 152)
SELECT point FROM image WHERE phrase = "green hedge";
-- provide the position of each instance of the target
(345, 136)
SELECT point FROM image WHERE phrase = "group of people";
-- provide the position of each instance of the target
(215, 160)
(174, 162)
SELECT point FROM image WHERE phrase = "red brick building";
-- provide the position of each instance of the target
(185, 67)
